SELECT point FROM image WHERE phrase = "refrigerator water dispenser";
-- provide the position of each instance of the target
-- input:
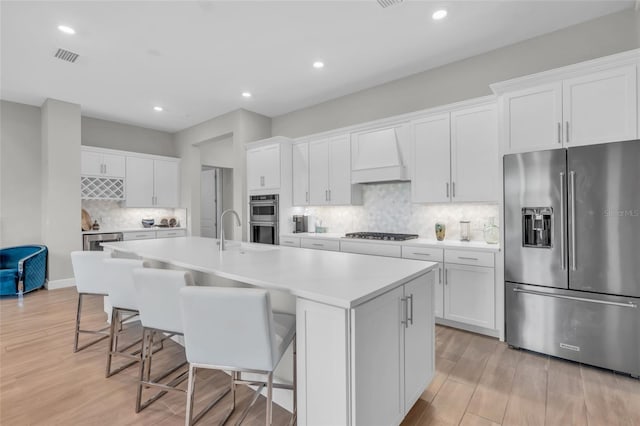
(536, 227)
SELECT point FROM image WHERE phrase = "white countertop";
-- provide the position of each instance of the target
(153, 228)
(340, 279)
(416, 242)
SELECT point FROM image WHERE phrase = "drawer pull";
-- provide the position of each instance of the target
(141, 235)
(422, 254)
(468, 258)
(317, 244)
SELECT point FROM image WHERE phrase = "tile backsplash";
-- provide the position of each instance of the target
(111, 215)
(388, 208)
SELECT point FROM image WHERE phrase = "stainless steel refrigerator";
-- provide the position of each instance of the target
(572, 253)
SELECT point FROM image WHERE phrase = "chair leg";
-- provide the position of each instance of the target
(294, 415)
(78, 311)
(115, 313)
(190, 389)
(143, 364)
(269, 398)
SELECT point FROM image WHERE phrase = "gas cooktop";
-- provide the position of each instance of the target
(381, 236)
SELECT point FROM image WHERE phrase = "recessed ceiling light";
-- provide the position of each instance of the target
(246, 94)
(318, 64)
(67, 30)
(439, 14)
(158, 108)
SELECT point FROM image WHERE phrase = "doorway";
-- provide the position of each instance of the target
(216, 195)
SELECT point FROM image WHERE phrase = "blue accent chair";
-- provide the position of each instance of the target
(22, 267)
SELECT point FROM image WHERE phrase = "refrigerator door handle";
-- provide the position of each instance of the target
(562, 223)
(572, 231)
(580, 299)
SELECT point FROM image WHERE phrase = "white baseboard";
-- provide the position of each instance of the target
(56, 284)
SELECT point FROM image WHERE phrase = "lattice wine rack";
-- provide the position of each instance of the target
(100, 188)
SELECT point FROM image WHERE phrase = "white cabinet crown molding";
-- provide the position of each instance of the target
(268, 141)
(569, 71)
(127, 153)
(397, 119)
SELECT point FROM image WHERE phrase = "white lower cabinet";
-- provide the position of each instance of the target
(375, 360)
(464, 289)
(469, 294)
(153, 234)
(290, 241)
(387, 250)
(390, 377)
(319, 244)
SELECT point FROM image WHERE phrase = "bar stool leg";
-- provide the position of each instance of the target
(78, 312)
(294, 415)
(190, 388)
(269, 398)
(112, 339)
(143, 364)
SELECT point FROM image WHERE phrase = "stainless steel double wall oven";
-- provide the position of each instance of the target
(264, 219)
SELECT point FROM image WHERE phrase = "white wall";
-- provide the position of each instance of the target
(125, 137)
(467, 78)
(20, 174)
(60, 185)
(217, 152)
(243, 126)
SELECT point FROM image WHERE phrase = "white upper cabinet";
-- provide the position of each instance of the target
(330, 172)
(152, 182)
(301, 174)
(263, 167)
(455, 156)
(432, 167)
(600, 107)
(474, 154)
(319, 172)
(582, 104)
(533, 117)
(166, 178)
(97, 163)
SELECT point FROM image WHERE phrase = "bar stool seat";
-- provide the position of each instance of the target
(157, 295)
(234, 329)
(88, 271)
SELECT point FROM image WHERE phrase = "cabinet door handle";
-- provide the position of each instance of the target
(447, 189)
(410, 319)
(567, 130)
(405, 313)
(467, 258)
(326, 195)
(446, 277)
(559, 132)
(439, 275)
(329, 195)
(105, 169)
(306, 196)
(453, 189)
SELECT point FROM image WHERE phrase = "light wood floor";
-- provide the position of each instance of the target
(479, 381)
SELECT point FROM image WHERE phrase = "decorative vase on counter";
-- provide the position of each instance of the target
(440, 231)
(491, 231)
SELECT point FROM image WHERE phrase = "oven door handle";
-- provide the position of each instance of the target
(263, 223)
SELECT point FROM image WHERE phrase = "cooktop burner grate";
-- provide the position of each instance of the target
(381, 236)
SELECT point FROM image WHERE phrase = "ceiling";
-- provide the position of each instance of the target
(195, 58)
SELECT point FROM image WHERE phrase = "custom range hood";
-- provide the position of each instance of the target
(380, 155)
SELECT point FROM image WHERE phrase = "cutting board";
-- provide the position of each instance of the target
(86, 221)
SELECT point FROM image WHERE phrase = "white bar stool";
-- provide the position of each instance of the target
(119, 276)
(88, 267)
(234, 329)
(157, 293)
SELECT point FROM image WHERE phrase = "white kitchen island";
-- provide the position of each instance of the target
(365, 324)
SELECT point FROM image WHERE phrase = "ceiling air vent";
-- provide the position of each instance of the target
(66, 55)
(387, 3)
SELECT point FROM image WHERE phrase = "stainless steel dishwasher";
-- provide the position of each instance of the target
(91, 242)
